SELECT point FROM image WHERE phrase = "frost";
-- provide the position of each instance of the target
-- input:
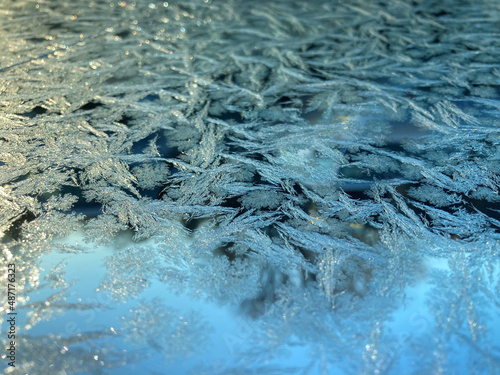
(308, 165)
(174, 336)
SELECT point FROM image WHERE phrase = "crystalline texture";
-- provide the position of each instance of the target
(309, 164)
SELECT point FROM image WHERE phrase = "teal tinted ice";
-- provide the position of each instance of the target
(243, 187)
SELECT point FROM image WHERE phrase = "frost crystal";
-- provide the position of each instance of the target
(327, 172)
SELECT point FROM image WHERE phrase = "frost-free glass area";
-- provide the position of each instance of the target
(241, 187)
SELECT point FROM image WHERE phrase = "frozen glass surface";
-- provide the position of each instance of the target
(242, 187)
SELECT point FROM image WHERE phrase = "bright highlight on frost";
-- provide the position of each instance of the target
(256, 187)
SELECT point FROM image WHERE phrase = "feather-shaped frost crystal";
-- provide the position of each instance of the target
(272, 187)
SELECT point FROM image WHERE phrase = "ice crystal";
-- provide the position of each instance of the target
(308, 164)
